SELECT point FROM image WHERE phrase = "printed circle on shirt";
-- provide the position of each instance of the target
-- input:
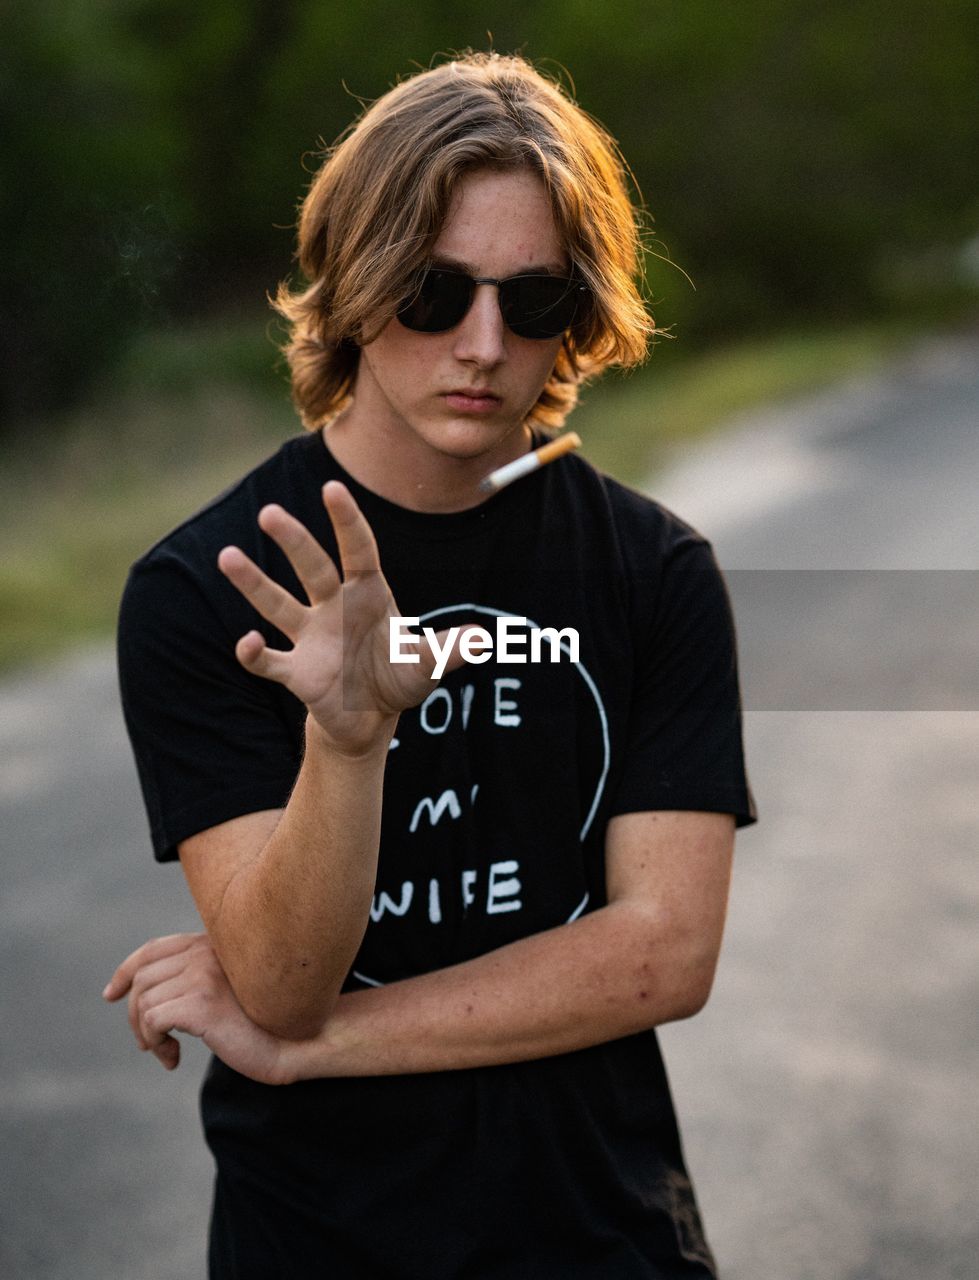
(470, 889)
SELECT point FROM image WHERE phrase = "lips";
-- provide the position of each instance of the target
(473, 400)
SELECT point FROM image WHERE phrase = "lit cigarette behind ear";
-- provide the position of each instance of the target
(502, 476)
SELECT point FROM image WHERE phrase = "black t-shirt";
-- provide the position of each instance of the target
(497, 793)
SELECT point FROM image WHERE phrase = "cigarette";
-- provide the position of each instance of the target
(502, 476)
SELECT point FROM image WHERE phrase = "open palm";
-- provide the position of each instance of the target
(339, 665)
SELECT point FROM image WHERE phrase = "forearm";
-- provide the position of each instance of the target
(612, 973)
(292, 918)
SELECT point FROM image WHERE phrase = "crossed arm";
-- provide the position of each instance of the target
(284, 895)
(646, 958)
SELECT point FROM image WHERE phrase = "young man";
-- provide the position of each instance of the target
(444, 916)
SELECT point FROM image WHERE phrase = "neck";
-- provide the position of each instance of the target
(405, 469)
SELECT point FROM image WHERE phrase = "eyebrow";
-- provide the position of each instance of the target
(447, 262)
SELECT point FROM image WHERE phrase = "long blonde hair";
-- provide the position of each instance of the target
(378, 203)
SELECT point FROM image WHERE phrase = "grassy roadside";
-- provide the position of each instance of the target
(193, 410)
(633, 423)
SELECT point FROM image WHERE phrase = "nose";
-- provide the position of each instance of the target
(479, 338)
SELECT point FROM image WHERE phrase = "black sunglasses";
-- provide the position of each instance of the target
(532, 306)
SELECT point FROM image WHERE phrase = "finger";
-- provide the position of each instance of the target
(273, 602)
(355, 540)
(182, 1013)
(167, 1050)
(155, 949)
(147, 979)
(164, 1008)
(256, 656)
(168, 1053)
(314, 568)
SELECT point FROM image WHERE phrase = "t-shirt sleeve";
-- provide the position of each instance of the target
(211, 741)
(684, 748)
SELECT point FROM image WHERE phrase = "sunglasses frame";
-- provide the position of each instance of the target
(572, 286)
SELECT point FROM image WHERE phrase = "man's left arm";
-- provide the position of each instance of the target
(645, 958)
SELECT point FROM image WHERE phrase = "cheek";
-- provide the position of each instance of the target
(536, 362)
(397, 358)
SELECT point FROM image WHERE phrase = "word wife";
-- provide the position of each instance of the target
(477, 645)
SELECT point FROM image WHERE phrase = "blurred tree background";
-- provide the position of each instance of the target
(800, 159)
(808, 167)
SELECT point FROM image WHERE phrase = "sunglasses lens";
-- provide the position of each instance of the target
(532, 306)
(440, 301)
(539, 306)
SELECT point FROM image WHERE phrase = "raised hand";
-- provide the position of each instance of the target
(339, 665)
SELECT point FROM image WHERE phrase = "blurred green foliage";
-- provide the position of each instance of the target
(796, 156)
(190, 410)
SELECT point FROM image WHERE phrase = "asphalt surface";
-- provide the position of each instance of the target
(827, 1093)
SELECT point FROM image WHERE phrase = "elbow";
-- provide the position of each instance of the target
(683, 959)
(295, 1030)
(288, 997)
(674, 998)
(290, 1022)
(689, 1003)
(693, 992)
(288, 1010)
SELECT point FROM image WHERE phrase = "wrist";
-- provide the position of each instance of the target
(300, 1060)
(341, 1046)
(369, 747)
(291, 1062)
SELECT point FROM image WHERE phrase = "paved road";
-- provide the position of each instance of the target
(104, 1176)
(827, 1092)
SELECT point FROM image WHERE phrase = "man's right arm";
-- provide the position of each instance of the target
(285, 894)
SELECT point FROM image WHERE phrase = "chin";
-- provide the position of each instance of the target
(465, 437)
